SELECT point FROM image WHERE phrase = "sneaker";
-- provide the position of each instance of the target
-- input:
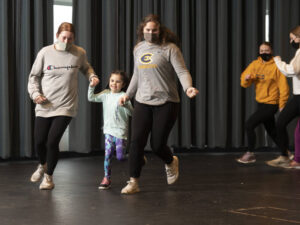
(145, 160)
(47, 183)
(105, 184)
(172, 171)
(293, 165)
(248, 157)
(280, 161)
(131, 187)
(290, 155)
(39, 173)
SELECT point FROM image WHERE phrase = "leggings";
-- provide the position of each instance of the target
(297, 142)
(113, 144)
(47, 134)
(289, 112)
(158, 120)
(264, 114)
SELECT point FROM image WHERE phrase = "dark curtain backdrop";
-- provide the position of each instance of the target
(25, 27)
(284, 17)
(218, 40)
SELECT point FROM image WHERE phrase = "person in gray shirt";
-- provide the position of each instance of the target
(157, 62)
(53, 86)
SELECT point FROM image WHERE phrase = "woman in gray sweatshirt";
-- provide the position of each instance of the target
(157, 63)
(53, 86)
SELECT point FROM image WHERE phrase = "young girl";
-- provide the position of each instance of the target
(115, 119)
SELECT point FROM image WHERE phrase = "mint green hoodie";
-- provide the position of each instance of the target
(115, 117)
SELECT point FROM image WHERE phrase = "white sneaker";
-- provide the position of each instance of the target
(290, 155)
(47, 183)
(280, 161)
(172, 171)
(39, 173)
(131, 187)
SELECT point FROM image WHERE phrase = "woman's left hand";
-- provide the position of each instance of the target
(94, 81)
(191, 92)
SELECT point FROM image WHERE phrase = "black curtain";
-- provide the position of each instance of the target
(25, 27)
(218, 40)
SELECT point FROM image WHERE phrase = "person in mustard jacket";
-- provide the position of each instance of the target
(272, 93)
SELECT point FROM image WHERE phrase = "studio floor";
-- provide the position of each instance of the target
(212, 190)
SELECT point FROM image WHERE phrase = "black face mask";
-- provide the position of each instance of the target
(266, 57)
(295, 45)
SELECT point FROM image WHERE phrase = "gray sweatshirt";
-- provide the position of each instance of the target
(54, 74)
(154, 78)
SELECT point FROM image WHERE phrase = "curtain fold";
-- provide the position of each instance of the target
(26, 26)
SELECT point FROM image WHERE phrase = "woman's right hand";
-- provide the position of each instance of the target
(247, 77)
(123, 99)
(40, 99)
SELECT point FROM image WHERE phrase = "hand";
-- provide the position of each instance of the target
(40, 99)
(94, 81)
(277, 58)
(248, 77)
(191, 92)
(280, 109)
(123, 99)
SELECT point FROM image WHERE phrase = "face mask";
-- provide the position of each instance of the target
(62, 46)
(151, 37)
(295, 45)
(266, 57)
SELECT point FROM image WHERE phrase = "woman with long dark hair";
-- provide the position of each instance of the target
(158, 61)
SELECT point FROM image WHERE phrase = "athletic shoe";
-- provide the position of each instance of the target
(280, 161)
(145, 160)
(290, 155)
(47, 183)
(105, 184)
(293, 165)
(39, 173)
(247, 158)
(172, 171)
(131, 187)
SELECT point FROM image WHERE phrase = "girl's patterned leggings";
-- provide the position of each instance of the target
(113, 144)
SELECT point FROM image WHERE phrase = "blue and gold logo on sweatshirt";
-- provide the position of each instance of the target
(146, 58)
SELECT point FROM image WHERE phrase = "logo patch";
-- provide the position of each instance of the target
(146, 58)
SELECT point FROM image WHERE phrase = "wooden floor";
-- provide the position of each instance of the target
(212, 190)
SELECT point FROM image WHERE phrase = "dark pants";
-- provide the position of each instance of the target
(47, 135)
(297, 142)
(290, 111)
(158, 120)
(264, 114)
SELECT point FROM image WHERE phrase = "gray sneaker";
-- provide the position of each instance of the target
(247, 158)
(280, 161)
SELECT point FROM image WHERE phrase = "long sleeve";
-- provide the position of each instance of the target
(132, 88)
(178, 64)
(284, 90)
(248, 70)
(96, 97)
(35, 76)
(291, 69)
(85, 67)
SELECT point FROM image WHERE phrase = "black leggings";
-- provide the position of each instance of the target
(290, 111)
(47, 135)
(158, 120)
(264, 114)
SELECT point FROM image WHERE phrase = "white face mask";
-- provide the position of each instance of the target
(62, 46)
